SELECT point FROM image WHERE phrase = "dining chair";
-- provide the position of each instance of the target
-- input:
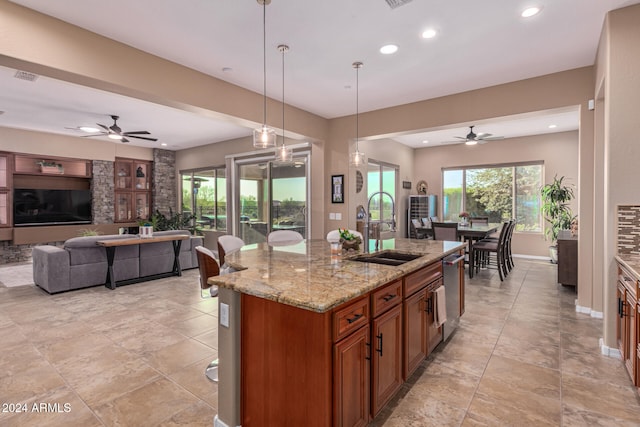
(227, 245)
(280, 237)
(334, 235)
(417, 229)
(483, 249)
(445, 230)
(208, 267)
(479, 220)
(434, 219)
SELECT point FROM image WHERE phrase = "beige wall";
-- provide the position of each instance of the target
(618, 65)
(558, 151)
(30, 142)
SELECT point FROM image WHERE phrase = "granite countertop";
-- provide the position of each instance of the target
(631, 263)
(306, 275)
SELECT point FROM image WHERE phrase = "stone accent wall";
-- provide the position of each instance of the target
(102, 190)
(164, 181)
(14, 253)
(629, 230)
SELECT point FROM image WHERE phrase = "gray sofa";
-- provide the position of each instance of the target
(81, 262)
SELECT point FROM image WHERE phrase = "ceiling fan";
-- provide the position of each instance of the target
(115, 132)
(472, 138)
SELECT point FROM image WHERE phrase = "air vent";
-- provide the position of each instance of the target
(24, 75)
(396, 3)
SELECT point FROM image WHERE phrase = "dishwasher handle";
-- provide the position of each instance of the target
(452, 259)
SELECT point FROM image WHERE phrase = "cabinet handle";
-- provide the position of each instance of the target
(354, 318)
(388, 297)
(429, 308)
(379, 350)
(368, 356)
(619, 307)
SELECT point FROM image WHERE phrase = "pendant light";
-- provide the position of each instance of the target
(265, 137)
(357, 158)
(283, 154)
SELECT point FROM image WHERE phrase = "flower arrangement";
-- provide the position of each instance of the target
(463, 215)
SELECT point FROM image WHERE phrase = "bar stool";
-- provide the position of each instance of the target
(208, 267)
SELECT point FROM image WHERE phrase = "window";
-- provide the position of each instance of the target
(204, 194)
(499, 192)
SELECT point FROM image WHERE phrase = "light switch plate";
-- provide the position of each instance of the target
(338, 216)
(224, 315)
(332, 215)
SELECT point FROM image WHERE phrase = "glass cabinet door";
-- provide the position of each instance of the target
(123, 207)
(123, 175)
(4, 170)
(4, 208)
(141, 176)
(142, 205)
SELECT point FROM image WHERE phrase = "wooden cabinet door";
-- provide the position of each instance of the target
(351, 370)
(415, 332)
(386, 343)
(434, 334)
(630, 320)
(621, 330)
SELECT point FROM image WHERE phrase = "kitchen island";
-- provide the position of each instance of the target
(310, 338)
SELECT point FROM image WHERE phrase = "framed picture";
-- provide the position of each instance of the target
(337, 188)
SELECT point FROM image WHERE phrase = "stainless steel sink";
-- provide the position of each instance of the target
(386, 258)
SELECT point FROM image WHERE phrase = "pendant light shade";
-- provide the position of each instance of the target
(283, 153)
(264, 137)
(357, 158)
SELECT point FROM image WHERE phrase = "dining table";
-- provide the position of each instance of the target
(469, 234)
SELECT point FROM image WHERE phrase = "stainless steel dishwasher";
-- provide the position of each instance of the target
(450, 265)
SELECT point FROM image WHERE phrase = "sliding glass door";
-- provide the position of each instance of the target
(271, 196)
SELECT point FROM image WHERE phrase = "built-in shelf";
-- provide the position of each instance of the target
(132, 180)
(57, 166)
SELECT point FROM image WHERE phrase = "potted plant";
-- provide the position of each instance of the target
(349, 240)
(464, 218)
(555, 208)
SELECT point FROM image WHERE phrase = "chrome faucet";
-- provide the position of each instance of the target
(392, 222)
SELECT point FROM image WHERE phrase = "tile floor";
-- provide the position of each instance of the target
(135, 357)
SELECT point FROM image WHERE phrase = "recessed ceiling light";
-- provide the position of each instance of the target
(553, 126)
(89, 129)
(389, 49)
(429, 34)
(426, 141)
(164, 144)
(531, 11)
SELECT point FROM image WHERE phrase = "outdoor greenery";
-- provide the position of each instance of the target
(555, 207)
(500, 193)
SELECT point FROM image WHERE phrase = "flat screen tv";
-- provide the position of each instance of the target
(51, 207)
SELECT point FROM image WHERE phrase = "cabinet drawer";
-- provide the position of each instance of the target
(388, 296)
(435, 284)
(349, 318)
(417, 280)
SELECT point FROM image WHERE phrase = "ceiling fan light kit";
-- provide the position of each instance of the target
(264, 137)
(115, 132)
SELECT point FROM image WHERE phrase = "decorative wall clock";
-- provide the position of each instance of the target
(422, 187)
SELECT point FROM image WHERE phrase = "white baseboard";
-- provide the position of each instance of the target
(608, 351)
(589, 311)
(536, 257)
(217, 422)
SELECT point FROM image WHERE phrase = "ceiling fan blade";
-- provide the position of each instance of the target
(483, 135)
(464, 138)
(116, 129)
(142, 137)
(140, 132)
(94, 134)
(124, 140)
(491, 138)
(103, 127)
